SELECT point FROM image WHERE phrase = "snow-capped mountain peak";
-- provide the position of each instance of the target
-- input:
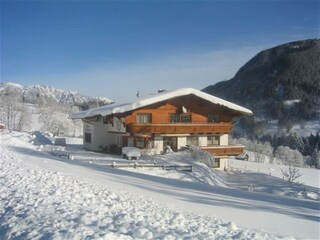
(17, 85)
(43, 93)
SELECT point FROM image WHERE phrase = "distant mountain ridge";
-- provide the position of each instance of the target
(276, 76)
(45, 94)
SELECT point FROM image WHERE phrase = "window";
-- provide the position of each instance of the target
(135, 141)
(119, 140)
(213, 140)
(118, 125)
(172, 142)
(104, 120)
(140, 142)
(87, 137)
(213, 119)
(130, 142)
(193, 141)
(174, 118)
(185, 118)
(216, 163)
(144, 118)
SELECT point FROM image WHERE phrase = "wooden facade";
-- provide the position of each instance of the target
(192, 117)
(230, 150)
(180, 128)
(198, 109)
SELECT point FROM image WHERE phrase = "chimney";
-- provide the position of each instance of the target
(162, 90)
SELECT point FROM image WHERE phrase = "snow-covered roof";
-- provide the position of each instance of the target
(162, 96)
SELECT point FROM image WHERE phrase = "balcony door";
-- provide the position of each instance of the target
(170, 141)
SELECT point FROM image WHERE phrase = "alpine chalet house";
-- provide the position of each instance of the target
(175, 118)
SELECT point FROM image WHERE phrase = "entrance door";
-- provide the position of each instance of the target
(170, 141)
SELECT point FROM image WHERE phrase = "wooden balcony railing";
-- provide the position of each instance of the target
(230, 150)
(179, 128)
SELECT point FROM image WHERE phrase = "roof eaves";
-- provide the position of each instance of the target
(142, 102)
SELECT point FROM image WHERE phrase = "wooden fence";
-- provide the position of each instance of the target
(186, 168)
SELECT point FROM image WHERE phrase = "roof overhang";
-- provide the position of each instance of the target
(163, 96)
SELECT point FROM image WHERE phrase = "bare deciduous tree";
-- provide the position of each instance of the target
(12, 112)
(291, 174)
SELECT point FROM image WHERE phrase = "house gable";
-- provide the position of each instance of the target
(198, 109)
(158, 98)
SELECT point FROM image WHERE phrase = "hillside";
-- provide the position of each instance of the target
(85, 199)
(42, 94)
(281, 82)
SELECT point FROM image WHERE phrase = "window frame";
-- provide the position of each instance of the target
(216, 163)
(211, 143)
(144, 118)
(174, 118)
(213, 118)
(88, 138)
(192, 140)
(135, 141)
(180, 118)
(185, 116)
(140, 142)
(130, 142)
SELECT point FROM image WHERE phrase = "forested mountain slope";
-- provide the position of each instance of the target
(283, 81)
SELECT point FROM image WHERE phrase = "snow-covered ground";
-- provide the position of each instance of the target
(45, 196)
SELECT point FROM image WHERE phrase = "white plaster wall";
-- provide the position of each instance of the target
(100, 136)
(158, 143)
(224, 164)
(112, 138)
(203, 141)
(224, 140)
(117, 125)
(182, 141)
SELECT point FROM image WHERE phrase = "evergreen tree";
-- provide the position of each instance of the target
(315, 157)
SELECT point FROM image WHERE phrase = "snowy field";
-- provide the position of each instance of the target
(45, 196)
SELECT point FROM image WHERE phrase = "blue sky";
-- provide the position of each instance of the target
(116, 48)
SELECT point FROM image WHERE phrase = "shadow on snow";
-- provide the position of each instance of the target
(201, 193)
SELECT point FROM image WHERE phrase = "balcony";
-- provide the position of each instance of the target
(229, 150)
(180, 128)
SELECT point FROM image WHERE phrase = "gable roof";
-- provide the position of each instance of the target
(149, 100)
